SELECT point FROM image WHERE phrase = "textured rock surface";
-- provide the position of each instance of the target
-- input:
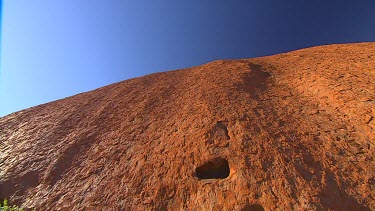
(296, 129)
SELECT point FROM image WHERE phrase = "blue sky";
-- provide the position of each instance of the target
(55, 49)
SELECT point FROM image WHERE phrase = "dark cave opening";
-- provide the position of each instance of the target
(253, 207)
(217, 168)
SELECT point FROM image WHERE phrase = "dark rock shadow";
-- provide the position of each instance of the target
(333, 197)
(255, 80)
(19, 185)
(64, 162)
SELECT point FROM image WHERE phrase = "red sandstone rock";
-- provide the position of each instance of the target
(293, 131)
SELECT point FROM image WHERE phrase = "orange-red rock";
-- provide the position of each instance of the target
(293, 131)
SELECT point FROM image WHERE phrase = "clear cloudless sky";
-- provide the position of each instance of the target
(51, 49)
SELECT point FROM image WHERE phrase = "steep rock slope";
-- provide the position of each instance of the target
(293, 131)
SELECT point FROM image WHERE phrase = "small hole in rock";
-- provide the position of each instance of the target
(253, 207)
(217, 168)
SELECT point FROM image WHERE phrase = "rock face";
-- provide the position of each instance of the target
(293, 131)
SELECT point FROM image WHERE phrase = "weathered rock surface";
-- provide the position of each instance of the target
(293, 131)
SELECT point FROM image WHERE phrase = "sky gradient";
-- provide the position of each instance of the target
(55, 49)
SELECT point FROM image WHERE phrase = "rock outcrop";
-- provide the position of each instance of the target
(294, 131)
